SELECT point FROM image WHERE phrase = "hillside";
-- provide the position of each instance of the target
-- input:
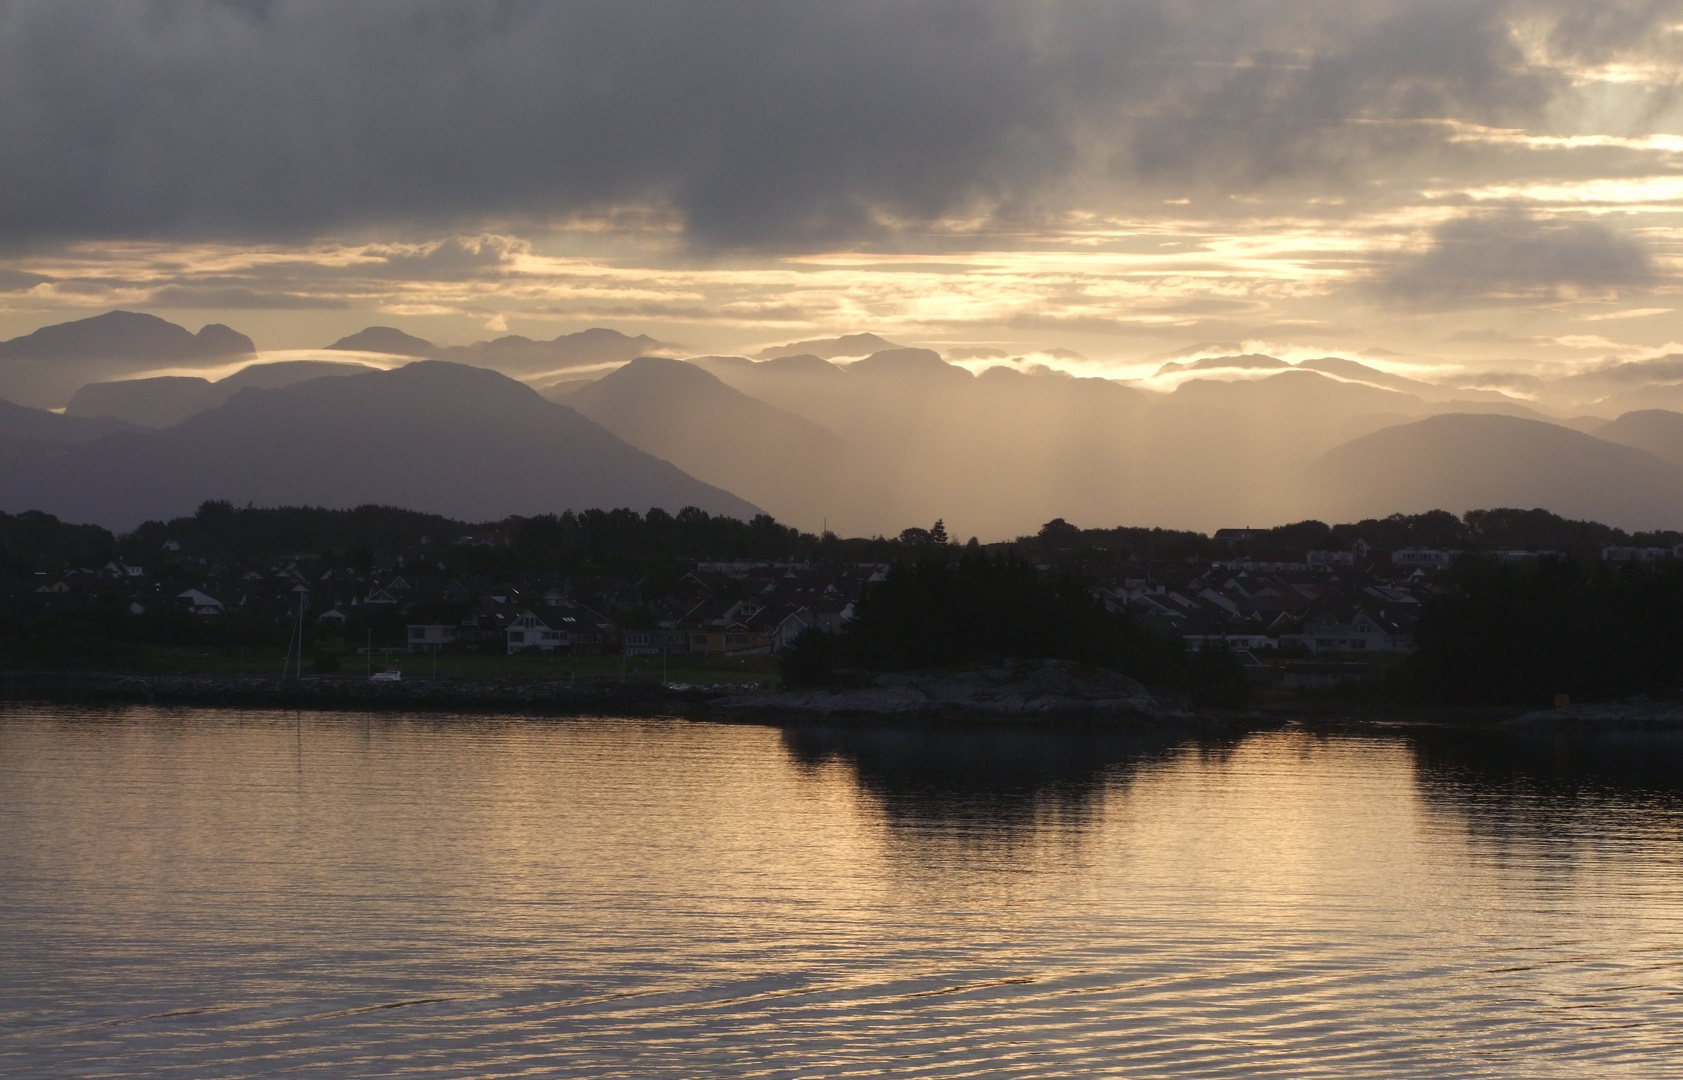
(800, 472)
(1460, 461)
(1656, 431)
(19, 422)
(166, 400)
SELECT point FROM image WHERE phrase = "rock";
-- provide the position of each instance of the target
(1608, 717)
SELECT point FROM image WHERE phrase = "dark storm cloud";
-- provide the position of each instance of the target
(19, 280)
(1514, 254)
(758, 124)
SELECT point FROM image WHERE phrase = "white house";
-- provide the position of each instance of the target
(201, 603)
(1423, 557)
(1365, 632)
(528, 631)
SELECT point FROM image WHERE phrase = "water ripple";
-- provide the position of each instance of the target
(258, 894)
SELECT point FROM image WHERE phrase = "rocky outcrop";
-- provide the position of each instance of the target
(1609, 717)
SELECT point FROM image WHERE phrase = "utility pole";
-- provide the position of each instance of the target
(301, 635)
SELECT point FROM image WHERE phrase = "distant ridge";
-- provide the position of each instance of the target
(529, 358)
(1246, 362)
(799, 471)
(44, 368)
(1657, 431)
(830, 348)
(387, 340)
(432, 436)
(19, 422)
(166, 400)
(1463, 461)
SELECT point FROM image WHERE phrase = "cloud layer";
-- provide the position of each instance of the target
(754, 123)
(1155, 171)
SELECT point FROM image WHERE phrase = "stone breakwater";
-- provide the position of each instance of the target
(1050, 691)
(557, 697)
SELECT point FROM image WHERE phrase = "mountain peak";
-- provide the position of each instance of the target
(127, 335)
(387, 340)
(829, 348)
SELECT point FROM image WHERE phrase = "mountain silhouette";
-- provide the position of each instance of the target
(21, 423)
(432, 436)
(165, 400)
(799, 471)
(533, 359)
(1460, 462)
(44, 368)
(1657, 431)
(830, 348)
(388, 340)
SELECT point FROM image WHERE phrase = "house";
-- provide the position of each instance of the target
(332, 615)
(791, 626)
(430, 637)
(527, 631)
(1426, 558)
(201, 603)
(1383, 630)
(1635, 554)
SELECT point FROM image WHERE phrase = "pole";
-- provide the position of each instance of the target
(369, 652)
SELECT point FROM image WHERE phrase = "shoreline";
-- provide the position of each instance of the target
(897, 705)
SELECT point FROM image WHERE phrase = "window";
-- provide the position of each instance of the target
(517, 635)
(416, 633)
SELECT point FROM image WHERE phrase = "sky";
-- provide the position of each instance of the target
(1433, 187)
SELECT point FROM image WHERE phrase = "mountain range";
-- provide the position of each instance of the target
(44, 368)
(445, 438)
(166, 400)
(818, 435)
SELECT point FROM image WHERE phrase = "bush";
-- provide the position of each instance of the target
(809, 660)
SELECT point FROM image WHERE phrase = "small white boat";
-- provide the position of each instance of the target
(386, 676)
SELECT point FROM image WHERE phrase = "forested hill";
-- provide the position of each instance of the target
(626, 543)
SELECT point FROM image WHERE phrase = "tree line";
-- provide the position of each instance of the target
(951, 610)
(1522, 633)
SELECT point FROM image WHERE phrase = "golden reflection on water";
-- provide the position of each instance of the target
(225, 894)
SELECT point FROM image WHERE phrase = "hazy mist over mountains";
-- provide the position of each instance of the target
(434, 436)
(862, 444)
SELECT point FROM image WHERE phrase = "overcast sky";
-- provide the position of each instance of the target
(1468, 183)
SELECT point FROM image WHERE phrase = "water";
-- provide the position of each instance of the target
(212, 894)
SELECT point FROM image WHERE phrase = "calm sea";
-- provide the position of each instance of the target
(222, 894)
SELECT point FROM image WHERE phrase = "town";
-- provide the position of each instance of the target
(333, 591)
